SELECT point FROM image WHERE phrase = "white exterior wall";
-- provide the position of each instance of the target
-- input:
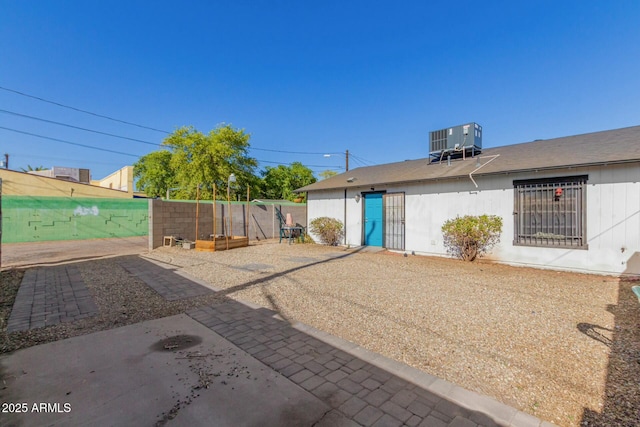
(613, 217)
(325, 203)
(429, 206)
(354, 218)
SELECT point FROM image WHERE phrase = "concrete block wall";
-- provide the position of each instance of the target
(178, 218)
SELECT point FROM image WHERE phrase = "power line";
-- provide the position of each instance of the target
(83, 111)
(120, 121)
(289, 164)
(360, 162)
(363, 161)
(13, 113)
(68, 142)
(120, 136)
(129, 154)
(66, 159)
(77, 127)
(292, 152)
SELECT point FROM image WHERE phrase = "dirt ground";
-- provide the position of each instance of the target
(20, 255)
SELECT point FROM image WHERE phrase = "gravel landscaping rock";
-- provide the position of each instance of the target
(564, 347)
(542, 341)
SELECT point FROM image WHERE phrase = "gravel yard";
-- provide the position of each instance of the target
(537, 340)
(564, 347)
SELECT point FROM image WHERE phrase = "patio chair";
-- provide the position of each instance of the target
(288, 229)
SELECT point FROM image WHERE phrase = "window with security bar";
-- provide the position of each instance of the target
(551, 212)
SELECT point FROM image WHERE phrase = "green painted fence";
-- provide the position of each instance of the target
(35, 219)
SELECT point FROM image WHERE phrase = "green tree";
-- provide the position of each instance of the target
(280, 182)
(327, 174)
(192, 158)
(154, 173)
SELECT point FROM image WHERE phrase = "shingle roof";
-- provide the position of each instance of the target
(612, 146)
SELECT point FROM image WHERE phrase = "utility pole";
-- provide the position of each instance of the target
(6, 161)
(347, 161)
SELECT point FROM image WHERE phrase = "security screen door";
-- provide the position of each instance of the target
(393, 205)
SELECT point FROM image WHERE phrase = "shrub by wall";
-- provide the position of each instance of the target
(469, 237)
(329, 231)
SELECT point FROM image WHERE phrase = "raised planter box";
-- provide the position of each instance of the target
(220, 243)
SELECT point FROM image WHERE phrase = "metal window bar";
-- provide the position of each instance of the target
(544, 219)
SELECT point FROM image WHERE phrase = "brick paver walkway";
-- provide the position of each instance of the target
(364, 387)
(170, 285)
(48, 296)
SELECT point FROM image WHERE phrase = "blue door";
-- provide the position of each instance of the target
(373, 219)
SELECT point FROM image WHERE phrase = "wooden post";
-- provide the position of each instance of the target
(197, 209)
(247, 218)
(214, 214)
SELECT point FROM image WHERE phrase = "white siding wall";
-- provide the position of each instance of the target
(325, 203)
(613, 217)
(429, 206)
(613, 223)
(354, 219)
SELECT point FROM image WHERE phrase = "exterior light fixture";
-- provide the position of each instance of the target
(357, 197)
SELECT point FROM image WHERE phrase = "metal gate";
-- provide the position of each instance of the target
(393, 205)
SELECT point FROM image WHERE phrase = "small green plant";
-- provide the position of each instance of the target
(328, 230)
(469, 237)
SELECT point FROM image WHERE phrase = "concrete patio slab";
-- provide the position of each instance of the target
(171, 371)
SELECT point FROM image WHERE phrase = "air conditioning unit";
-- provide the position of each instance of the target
(456, 140)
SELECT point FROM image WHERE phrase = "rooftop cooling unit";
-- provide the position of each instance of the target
(456, 141)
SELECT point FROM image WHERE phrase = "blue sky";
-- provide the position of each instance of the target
(368, 76)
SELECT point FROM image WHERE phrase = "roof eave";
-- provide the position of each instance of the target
(504, 172)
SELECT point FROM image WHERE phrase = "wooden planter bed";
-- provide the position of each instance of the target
(220, 243)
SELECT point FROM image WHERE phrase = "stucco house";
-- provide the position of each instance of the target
(570, 203)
